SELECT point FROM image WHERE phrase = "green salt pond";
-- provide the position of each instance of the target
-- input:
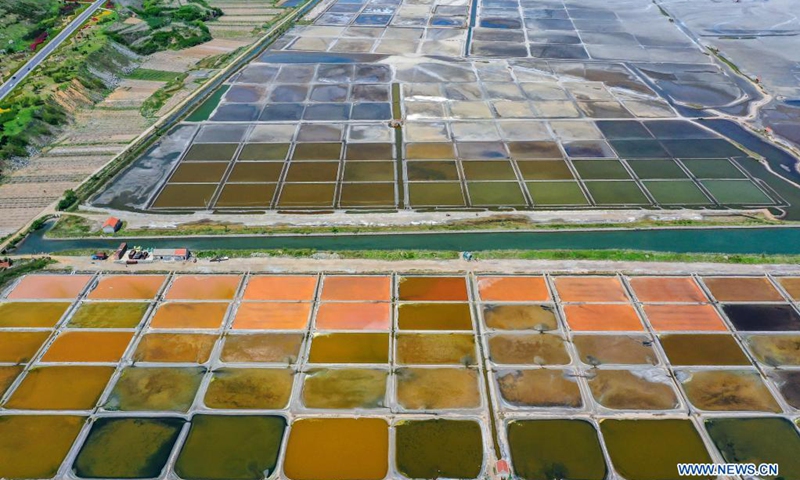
(345, 388)
(249, 388)
(109, 315)
(33, 446)
(439, 448)
(163, 389)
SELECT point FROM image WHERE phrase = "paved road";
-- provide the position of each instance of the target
(48, 49)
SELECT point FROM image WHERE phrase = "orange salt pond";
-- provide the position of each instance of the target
(127, 287)
(34, 446)
(30, 314)
(615, 349)
(189, 315)
(366, 288)
(353, 316)
(528, 349)
(513, 289)
(174, 348)
(49, 286)
(60, 388)
(540, 388)
(437, 289)
(88, 347)
(350, 348)
(20, 347)
(590, 289)
(742, 289)
(276, 287)
(263, 348)
(203, 287)
(434, 316)
(437, 388)
(602, 318)
(337, 449)
(792, 286)
(667, 289)
(7, 377)
(272, 316)
(109, 315)
(671, 318)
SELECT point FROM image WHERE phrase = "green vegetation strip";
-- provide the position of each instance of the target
(153, 75)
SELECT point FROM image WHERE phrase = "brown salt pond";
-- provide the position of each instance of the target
(788, 382)
(108, 315)
(528, 349)
(203, 287)
(189, 315)
(513, 289)
(520, 317)
(345, 388)
(697, 318)
(615, 349)
(49, 286)
(337, 449)
(438, 448)
(158, 388)
(437, 289)
(127, 287)
(31, 315)
(775, 350)
(23, 451)
(20, 347)
(250, 388)
(349, 348)
(353, 288)
(277, 287)
(540, 388)
(353, 316)
(174, 348)
(434, 316)
(433, 349)
(610, 318)
(437, 388)
(272, 316)
(60, 388)
(7, 377)
(742, 289)
(77, 346)
(590, 289)
(645, 389)
(700, 349)
(792, 286)
(727, 390)
(262, 348)
(667, 290)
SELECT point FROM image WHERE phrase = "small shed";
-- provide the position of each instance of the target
(112, 225)
(171, 255)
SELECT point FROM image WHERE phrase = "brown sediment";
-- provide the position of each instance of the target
(127, 287)
(30, 314)
(700, 349)
(788, 382)
(667, 290)
(345, 388)
(277, 287)
(7, 377)
(513, 289)
(23, 451)
(520, 317)
(363, 288)
(615, 349)
(203, 287)
(172, 347)
(263, 348)
(272, 316)
(434, 316)
(590, 289)
(775, 350)
(742, 289)
(108, 315)
(60, 388)
(353, 316)
(602, 318)
(437, 388)
(528, 349)
(633, 389)
(49, 286)
(350, 348)
(337, 449)
(791, 285)
(433, 289)
(189, 315)
(726, 390)
(20, 347)
(430, 349)
(159, 388)
(250, 388)
(540, 388)
(698, 318)
(77, 346)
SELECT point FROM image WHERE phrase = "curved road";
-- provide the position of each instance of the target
(37, 59)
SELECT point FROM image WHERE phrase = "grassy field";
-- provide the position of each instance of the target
(152, 75)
